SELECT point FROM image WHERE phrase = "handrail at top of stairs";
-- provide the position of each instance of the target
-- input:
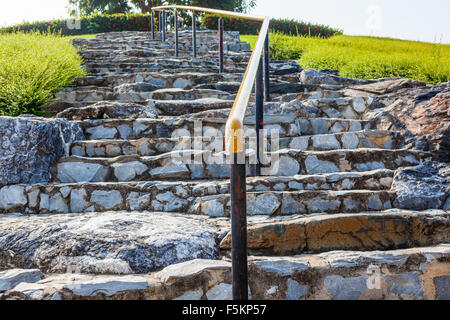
(234, 133)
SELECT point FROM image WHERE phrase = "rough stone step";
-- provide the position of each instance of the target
(392, 229)
(149, 147)
(205, 165)
(404, 274)
(178, 127)
(85, 197)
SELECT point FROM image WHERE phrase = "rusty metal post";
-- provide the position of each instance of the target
(160, 25)
(153, 25)
(239, 228)
(266, 69)
(194, 33)
(164, 26)
(177, 44)
(259, 87)
(221, 64)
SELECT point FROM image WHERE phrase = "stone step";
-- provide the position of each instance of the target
(161, 81)
(402, 274)
(205, 165)
(392, 229)
(86, 197)
(179, 127)
(149, 147)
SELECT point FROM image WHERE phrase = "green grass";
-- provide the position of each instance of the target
(32, 67)
(365, 57)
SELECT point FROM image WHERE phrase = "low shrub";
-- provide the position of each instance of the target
(95, 23)
(283, 26)
(32, 67)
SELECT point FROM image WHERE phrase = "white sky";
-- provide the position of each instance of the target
(406, 19)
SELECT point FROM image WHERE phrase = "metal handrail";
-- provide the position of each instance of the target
(234, 133)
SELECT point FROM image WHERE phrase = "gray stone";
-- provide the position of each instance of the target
(264, 204)
(168, 202)
(171, 169)
(287, 166)
(359, 105)
(342, 288)
(78, 200)
(350, 140)
(30, 146)
(138, 242)
(295, 290)
(213, 208)
(106, 199)
(11, 278)
(125, 131)
(314, 165)
(319, 126)
(101, 132)
(191, 268)
(374, 203)
(129, 170)
(138, 201)
(320, 205)
(422, 187)
(12, 196)
(69, 172)
(442, 286)
(291, 206)
(106, 285)
(282, 266)
(325, 142)
(407, 283)
(222, 291)
(191, 295)
(299, 143)
(57, 204)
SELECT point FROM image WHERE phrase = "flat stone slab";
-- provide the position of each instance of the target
(415, 273)
(112, 242)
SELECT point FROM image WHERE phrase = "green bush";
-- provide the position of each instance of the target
(284, 26)
(95, 23)
(32, 67)
(365, 57)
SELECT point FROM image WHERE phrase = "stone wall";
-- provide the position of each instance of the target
(29, 146)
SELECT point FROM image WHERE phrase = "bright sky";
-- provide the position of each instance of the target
(406, 19)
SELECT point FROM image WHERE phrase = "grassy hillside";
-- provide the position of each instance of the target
(32, 67)
(365, 57)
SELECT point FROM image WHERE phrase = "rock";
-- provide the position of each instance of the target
(280, 69)
(311, 76)
(419, 112)
(295, 290)
(222, 291)
(138, 242)
(325, 142)
(109, 110)
(11, 278)
(136, 87)
(264, 204)
(405, 284)
(342, 288)
(31, 145)
(442, 285)
(68, 172)
(189, 269)
(286, 166)
(314, 165)
(12, 196)
(106, 199)
(282, 266)
(129, 170)
(426, 186)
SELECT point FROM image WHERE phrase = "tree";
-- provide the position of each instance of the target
(123, 6)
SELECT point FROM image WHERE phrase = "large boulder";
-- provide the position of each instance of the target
(420, 112)
(112, 242)
(29, 147)
(423, 187)
(311, 76)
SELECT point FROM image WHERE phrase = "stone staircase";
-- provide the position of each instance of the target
(120, 208)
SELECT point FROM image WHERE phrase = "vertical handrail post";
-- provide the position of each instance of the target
(164, 26)
(239, 228)
(153, 25)
(160, 25)
(194, 34)
(221, 64)
(267, 69)
(259, 85)
(177, 45)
